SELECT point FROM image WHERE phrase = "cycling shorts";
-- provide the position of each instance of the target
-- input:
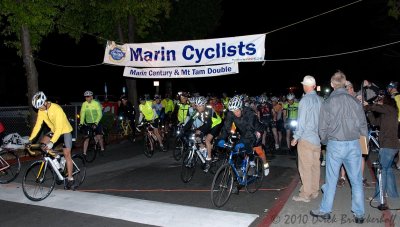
(65, 139)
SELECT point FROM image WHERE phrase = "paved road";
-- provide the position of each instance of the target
(124, 188)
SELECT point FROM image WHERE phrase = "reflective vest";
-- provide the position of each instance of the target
(182, 112)
(147, 110)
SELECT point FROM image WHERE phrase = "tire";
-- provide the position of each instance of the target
(254, 182)
(219, 158)
(10, 166)
(92, 150)
(148, 146)
(38, 188)
(178, 149)
(79, 168)
(221, 187)
(188, 166)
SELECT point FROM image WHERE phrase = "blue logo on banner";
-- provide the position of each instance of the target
(117, 54)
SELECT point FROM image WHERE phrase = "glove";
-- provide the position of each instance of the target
(49, 145)
(221, 143)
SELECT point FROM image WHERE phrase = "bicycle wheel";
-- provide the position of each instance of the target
(9, 166)
(188, 166)
(149, 144)
(178, 149)
(91, 151)
(131, 134)
(254, 181)
(38, 181)
(79, 168)
(221, 187)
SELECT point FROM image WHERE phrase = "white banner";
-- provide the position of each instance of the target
(187, 53)
(182, 72)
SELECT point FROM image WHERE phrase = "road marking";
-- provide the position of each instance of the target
(129, 209)
(167, 190)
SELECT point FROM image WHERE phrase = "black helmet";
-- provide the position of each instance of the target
(123, 97)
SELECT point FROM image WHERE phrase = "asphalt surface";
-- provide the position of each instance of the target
(125, 172)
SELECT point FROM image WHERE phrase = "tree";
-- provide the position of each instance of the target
(26, 24)
(118, 20)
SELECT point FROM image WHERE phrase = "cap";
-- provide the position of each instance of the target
(308, 81)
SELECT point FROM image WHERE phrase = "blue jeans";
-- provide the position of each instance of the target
(386, 157)
(347, 153)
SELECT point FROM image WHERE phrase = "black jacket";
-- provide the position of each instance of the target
(247, 126)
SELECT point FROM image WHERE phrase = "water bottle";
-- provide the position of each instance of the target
(56, 163)
(243, 168)
(204, 152)
(62, 162)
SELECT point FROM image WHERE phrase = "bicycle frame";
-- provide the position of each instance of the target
(372, 135)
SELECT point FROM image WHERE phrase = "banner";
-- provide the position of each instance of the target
(187, 53)
(182, 72)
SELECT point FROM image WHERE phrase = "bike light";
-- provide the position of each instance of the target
(120, 117)
(293, 123)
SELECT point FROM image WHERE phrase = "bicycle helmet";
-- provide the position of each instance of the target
(274, 99)
(38, 99)
(235, 103)
(392, 84)
(201, 101)
(192, 100)
(157, 97)
(290, 96)
(262, 99)
(88, 93)
(142, 98)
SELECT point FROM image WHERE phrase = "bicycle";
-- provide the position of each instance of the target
(10, 165)
(93, 144)
(150, 140)
(373, 140)
(126, 129)
(42, 175)
(193, 153)
(227, 174)
(179, 143)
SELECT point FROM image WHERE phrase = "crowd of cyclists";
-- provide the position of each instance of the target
(214, 118)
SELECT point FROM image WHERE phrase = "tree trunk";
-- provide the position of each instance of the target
(30, 70)
(131, 83)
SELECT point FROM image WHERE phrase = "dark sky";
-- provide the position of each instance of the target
(356, 27)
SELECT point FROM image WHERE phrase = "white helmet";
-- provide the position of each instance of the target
(235, 103)
(290, 96)
(201, 101)
(88, 93)
(38, 99)
(274, 99)
(263, 99)
(192, 100)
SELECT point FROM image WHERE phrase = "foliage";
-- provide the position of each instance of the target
(101, 18)
(39, 16)
(394, 8)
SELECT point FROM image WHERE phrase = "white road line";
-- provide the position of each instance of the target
(129, 209)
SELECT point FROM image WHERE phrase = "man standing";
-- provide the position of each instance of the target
(342, 121)
(307, 140)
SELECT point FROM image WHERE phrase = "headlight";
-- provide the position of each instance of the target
(293, 123)
(120, 117)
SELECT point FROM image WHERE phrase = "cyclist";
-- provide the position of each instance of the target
(168, 105)
(290, 112)
(90, 116)
(148, 112)
(60, 128)
(264, 112)
(210, 125)
(277, 121)
(160, 110)
(182, 108)
(127, 111)
(248, 126)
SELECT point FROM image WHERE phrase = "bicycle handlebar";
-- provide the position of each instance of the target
(38, 147)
